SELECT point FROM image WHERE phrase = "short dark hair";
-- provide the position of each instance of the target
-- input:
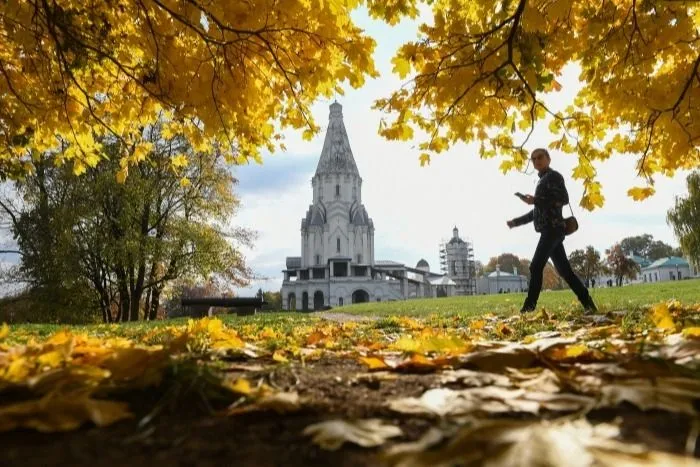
(546, 153)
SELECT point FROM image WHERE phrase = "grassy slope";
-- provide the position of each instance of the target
(627, 298)
(630, 298)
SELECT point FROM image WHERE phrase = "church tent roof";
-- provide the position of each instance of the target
(336, 155)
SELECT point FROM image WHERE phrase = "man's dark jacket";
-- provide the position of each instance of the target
(550, 196)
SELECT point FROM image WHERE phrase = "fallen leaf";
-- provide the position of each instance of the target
(374, 363)
(661, 317)
(240, 386)
(279, 357)
(503, 330)
(61, 413)
(374, 377)
(280, 402)
(417, 363)
(512, 443)
(575, 352)
(489, 399)
(498, 358)
(4, 331)
(536, 379)
(672, 394)
(332, 434)
(243, 367)
(429, 439)
(473, 378)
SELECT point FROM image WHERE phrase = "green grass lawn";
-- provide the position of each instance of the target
(632, 299)
(628, 298)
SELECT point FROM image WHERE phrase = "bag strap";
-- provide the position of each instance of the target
(570, 209)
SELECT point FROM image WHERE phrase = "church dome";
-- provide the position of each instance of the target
(358, 216)
(423, 265)
(316, 215)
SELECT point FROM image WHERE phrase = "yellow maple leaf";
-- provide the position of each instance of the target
(122, 174)
(424, 159)
(374, 363)
(61, 413)
(567, 352)
(401, 66)
(503, 330)
(240, 386)
(52, 359)
(692, 332)
(279, 357)
(639, 194)
(4, 331)
(661, 317)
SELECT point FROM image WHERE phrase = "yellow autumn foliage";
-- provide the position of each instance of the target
(480, 69)
(223, 74)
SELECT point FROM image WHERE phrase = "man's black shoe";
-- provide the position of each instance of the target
(589, 307)
(527, 309)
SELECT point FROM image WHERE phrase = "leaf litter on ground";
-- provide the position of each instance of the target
(532, 365)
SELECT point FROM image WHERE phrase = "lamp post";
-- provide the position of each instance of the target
(498, 274)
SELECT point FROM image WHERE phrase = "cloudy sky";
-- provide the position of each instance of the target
(414, 207)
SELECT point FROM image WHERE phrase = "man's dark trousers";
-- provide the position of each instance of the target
(551, 246)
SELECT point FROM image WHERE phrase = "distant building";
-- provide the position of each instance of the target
(337, 265)
(663, 269)
(501, 282)
(671, 268)
(457, 262)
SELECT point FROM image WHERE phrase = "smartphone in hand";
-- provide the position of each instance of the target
(520, 195)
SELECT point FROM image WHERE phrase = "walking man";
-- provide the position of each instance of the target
(550, 196)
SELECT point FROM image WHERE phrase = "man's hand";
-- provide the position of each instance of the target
(510, 224)
(528, 199)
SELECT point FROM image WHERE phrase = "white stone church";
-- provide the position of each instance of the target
(337, 265)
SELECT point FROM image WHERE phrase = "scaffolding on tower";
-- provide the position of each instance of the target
(457, 261)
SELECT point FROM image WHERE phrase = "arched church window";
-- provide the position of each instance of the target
(337, 191)
(354, 193)
(337, 245)
(359, 258)
(318, 259)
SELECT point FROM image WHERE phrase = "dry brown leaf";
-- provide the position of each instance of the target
(473, 378)
(497, 359)
(429, 439)
(489, 399)
(546, 444)
(254, 367)
(374, 377)
(680, 350)
(61, 413)
(672, 394)
(417, 363)
(280, 402)
(535, 379)
(332, 434)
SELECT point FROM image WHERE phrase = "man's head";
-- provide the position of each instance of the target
(540, 159)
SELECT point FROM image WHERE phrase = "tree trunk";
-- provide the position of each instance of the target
(155, 303)
(147, 304)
